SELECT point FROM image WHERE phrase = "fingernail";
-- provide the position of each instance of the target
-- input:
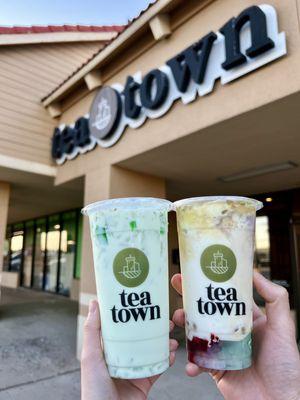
(92, 306)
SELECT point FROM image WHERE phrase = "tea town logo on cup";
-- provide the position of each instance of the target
(218, 263)
(131, 267)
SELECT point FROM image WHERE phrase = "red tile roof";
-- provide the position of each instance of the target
(130, 22)
(12, 30)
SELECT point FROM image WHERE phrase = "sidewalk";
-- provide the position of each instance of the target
(37, 353)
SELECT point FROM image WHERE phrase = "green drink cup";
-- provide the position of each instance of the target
(130, 250)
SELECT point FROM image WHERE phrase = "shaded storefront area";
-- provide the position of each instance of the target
(43, 235)
(46, 251)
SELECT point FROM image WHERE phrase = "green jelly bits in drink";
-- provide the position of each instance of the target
(130, 250)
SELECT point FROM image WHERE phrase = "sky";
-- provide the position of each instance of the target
(58, 12)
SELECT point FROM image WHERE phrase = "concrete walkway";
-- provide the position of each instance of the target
(37, 353)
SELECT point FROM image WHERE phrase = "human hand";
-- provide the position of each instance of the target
(275, 370)
(96, 384)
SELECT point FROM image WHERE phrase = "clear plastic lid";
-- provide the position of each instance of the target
(128, 203)
(207, 199)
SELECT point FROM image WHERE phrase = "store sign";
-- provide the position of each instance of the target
(242, 45)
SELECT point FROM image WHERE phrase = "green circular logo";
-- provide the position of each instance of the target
(131, 267)
(218, 263)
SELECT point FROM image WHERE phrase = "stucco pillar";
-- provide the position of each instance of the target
(4, 202)
(104, 183)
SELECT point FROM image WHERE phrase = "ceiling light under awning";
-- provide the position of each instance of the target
(267, 169)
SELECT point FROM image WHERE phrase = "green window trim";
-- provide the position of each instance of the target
(77, 270)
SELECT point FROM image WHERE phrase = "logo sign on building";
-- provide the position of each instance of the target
(242, 45)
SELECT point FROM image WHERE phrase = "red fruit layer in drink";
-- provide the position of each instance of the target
(196, 346)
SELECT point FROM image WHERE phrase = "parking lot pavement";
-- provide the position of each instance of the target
(37, 353)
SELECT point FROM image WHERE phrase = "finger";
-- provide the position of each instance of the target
(91, 349)
(173, 344)
(257, 312)
(276, 298)
(172, 358)
(176, 282)
(171, 326)
(217, 375)
(192, 369)
(179, 318)
(93, 368)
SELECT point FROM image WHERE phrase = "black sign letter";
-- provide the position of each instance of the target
(57, 150)
(132, 110)
(68, 140)
(260, 42)
(150, 98)
(192, 62)
(82, 132)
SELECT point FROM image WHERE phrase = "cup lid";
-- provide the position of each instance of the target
(184, 202)
(128, 203)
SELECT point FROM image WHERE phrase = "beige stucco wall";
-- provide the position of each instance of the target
(271, 82)
(9, 279)
(74, 292)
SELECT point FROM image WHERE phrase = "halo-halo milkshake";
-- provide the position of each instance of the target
(130, 249)
(216, 242)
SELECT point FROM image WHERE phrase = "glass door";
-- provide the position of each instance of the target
(68, 252)
(295, 239)
(16, 248)
(28, 254)
(39, 253)
(52, 249)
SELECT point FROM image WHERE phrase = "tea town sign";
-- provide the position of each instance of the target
(242, 45)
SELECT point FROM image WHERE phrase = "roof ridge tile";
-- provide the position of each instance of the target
(18, 29)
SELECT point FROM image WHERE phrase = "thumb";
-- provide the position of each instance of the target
(277, 301)
(94, 373)
(92, 351)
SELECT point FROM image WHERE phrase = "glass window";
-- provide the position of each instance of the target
(44, 251)
(6, 249)
(52, 246)
(262, 252)
(262, 246)
(39, 253)
(68, 249)
(16, 247)
(28, 253)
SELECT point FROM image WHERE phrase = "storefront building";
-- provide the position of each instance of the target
(192, 98)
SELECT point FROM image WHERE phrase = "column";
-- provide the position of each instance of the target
(104, 183)
(4, 202)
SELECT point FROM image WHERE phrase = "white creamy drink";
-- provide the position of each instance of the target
(216, 242)
(130, 248)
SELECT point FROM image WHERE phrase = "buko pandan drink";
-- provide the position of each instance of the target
(130, 248)
(216, 242)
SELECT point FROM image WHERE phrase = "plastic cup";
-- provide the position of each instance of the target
(130, 250)
(216, 243)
